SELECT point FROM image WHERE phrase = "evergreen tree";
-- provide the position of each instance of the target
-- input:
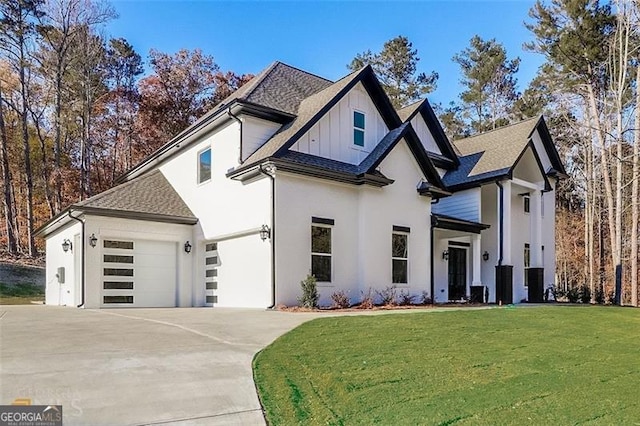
(490, 82)
(396, 66)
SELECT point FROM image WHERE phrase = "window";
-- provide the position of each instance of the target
(399, 258)
(321, 253)
(125, 245)
(358, 128)
(527, 263)
(527, 204)
(204, 165)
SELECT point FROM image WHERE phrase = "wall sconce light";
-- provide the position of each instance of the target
(187, 247)
(445, 255)
(265, 232)
(485, 256)
(66, 245)
(93, 240)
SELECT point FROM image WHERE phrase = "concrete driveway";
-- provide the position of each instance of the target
(139, 366)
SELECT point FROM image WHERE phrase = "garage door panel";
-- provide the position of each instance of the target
(137, 273)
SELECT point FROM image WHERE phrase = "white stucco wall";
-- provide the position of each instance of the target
(332, 136)
(463, 205)
(364, 219)
(67, 293)
(255, 132)
(490, 237)
(223, 207)
(423, 132)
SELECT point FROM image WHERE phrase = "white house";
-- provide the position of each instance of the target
(295, 174)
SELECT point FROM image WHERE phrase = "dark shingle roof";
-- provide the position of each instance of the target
(150, 193)
(500, 148)
(280, 87)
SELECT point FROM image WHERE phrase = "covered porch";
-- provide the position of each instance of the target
(458, 260)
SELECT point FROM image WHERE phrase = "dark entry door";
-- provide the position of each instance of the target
(457, 273)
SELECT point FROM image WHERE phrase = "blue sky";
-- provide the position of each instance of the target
(322, 37)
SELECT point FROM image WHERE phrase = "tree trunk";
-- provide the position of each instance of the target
(31, 243)
(8, 202)
(606, 178)
(635, 197)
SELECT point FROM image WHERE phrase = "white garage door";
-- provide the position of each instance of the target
(138, 273)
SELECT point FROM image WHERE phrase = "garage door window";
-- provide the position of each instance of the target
(126, 245)
(211, 263)
(118, 299)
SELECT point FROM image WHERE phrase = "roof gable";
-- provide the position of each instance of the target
(313, 108)
(423, 109)
(496, 153)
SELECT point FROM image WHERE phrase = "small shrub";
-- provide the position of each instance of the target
(573, 295)
(404, 298)
(486, 294)
(387, 296)
(585, 294)
(340, 300)
(367, 300)
(309, 298)
(425, 299)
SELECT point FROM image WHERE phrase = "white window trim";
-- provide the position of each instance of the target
(198, 166)
(364, 131)
(400, 258)
(330, 255)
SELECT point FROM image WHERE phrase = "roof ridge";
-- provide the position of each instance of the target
(351, 74)
(117, 187)
(412, 104)
(499, 128)
(304, 71)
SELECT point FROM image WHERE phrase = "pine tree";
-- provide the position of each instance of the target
(396, 66)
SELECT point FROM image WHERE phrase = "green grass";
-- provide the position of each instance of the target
(20, 294)
(549, 365)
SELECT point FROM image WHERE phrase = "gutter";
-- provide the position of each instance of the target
(82, 260)
(501, 222)
(273, 235)
(235, 117)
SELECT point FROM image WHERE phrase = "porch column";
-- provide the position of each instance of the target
(504, 269)
(506, 217)
(535, 273)
(477, 257)
(535, 215)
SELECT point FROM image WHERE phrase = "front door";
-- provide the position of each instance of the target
(457, 273)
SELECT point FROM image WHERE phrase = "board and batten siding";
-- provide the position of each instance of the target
(255, 133)
(463, 205)
(332, 136)
(424, 134)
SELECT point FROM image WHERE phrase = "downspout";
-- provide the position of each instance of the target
(82, 259)
(235, 117)
(501, 221)
(273, 234)
(433, 225)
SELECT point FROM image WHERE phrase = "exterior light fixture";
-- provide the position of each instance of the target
(93, 240)
(187, 247)
(445, 255)
(66, 245)
(485, 255)
(265, 232)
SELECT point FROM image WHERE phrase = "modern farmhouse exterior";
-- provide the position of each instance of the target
(295, 174)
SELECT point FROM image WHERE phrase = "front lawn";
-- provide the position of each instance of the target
(523, 365)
